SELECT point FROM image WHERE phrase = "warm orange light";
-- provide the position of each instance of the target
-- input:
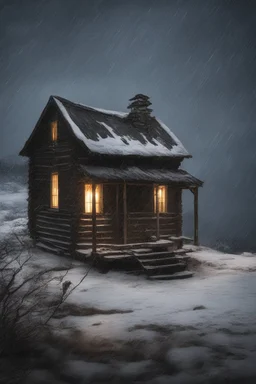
(88, 198)
(54, 190)
(54, 129)
(162, 198)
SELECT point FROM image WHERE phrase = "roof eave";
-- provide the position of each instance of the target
(171, 157)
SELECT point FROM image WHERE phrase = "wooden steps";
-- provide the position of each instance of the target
(164, 260)
(117, 257)
(163, 264)
(142, 250)
(151, 254)
(154, 258)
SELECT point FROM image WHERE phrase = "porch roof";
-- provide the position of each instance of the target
(135, 174)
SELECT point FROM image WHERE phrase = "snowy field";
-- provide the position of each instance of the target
(13, 208)
(132, 330)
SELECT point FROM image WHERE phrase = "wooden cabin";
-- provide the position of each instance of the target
(99, 178)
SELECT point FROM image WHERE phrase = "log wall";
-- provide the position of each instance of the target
(53, 228)
(105, 230)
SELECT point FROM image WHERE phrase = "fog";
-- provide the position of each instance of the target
(195, 59)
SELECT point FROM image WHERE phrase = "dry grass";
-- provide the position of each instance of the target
(80, 343)
(164, 330)
(69, 309)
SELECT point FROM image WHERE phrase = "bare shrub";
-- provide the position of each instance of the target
(23, 316)
(25, 311)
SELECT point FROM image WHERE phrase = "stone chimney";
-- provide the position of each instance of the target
(140, 113)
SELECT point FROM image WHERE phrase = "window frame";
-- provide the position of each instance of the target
(54, 131)
(99, 203)
(52, 206)
(162, 206)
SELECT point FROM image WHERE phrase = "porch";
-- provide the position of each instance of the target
(132, 213)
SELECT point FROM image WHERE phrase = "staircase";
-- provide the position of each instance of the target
(163, 265)
(158, 260)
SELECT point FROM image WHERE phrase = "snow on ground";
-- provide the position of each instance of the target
(224, 261)
(227, 298)
(206, 325)
(13, 208)
(198, 330)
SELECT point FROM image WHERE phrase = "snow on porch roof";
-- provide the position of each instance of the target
(177, 177)
(110, 132)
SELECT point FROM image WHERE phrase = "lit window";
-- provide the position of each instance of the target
(98, 198)
(54, 190)
(54, 130)
(162, 198)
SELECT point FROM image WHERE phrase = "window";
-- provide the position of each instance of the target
(54, 190)
(98, 198)
(162, 198)
(54, 130)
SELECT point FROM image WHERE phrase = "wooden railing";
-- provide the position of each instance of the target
(143, 225)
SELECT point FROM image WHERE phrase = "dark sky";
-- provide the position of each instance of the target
(196, 59)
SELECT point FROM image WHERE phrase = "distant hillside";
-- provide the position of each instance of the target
(13, 168)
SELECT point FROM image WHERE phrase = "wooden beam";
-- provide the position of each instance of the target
(125, 213)
(195, 192)
(157, 214)
(117, 215)
(94, 227)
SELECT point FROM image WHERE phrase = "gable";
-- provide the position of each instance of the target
(41, 134)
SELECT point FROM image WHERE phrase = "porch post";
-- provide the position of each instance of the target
(196, 241)
(117, 215)
(94, 229)
(125, 213)
(157, 215)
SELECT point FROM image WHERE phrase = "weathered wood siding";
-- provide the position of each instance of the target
(55, 228)
(105, 230)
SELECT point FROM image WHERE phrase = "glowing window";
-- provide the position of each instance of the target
(98, 198)
(54, 190)
(54, 130)
(162, 198)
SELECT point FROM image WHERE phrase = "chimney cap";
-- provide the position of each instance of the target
(139, 96)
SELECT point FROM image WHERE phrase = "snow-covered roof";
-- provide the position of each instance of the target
(113, 133)
(147, 174)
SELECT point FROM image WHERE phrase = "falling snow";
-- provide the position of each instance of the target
(196, 60)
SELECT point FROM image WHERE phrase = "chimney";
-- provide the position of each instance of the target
(140, 113)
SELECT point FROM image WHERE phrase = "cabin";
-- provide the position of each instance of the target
(101, 179)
